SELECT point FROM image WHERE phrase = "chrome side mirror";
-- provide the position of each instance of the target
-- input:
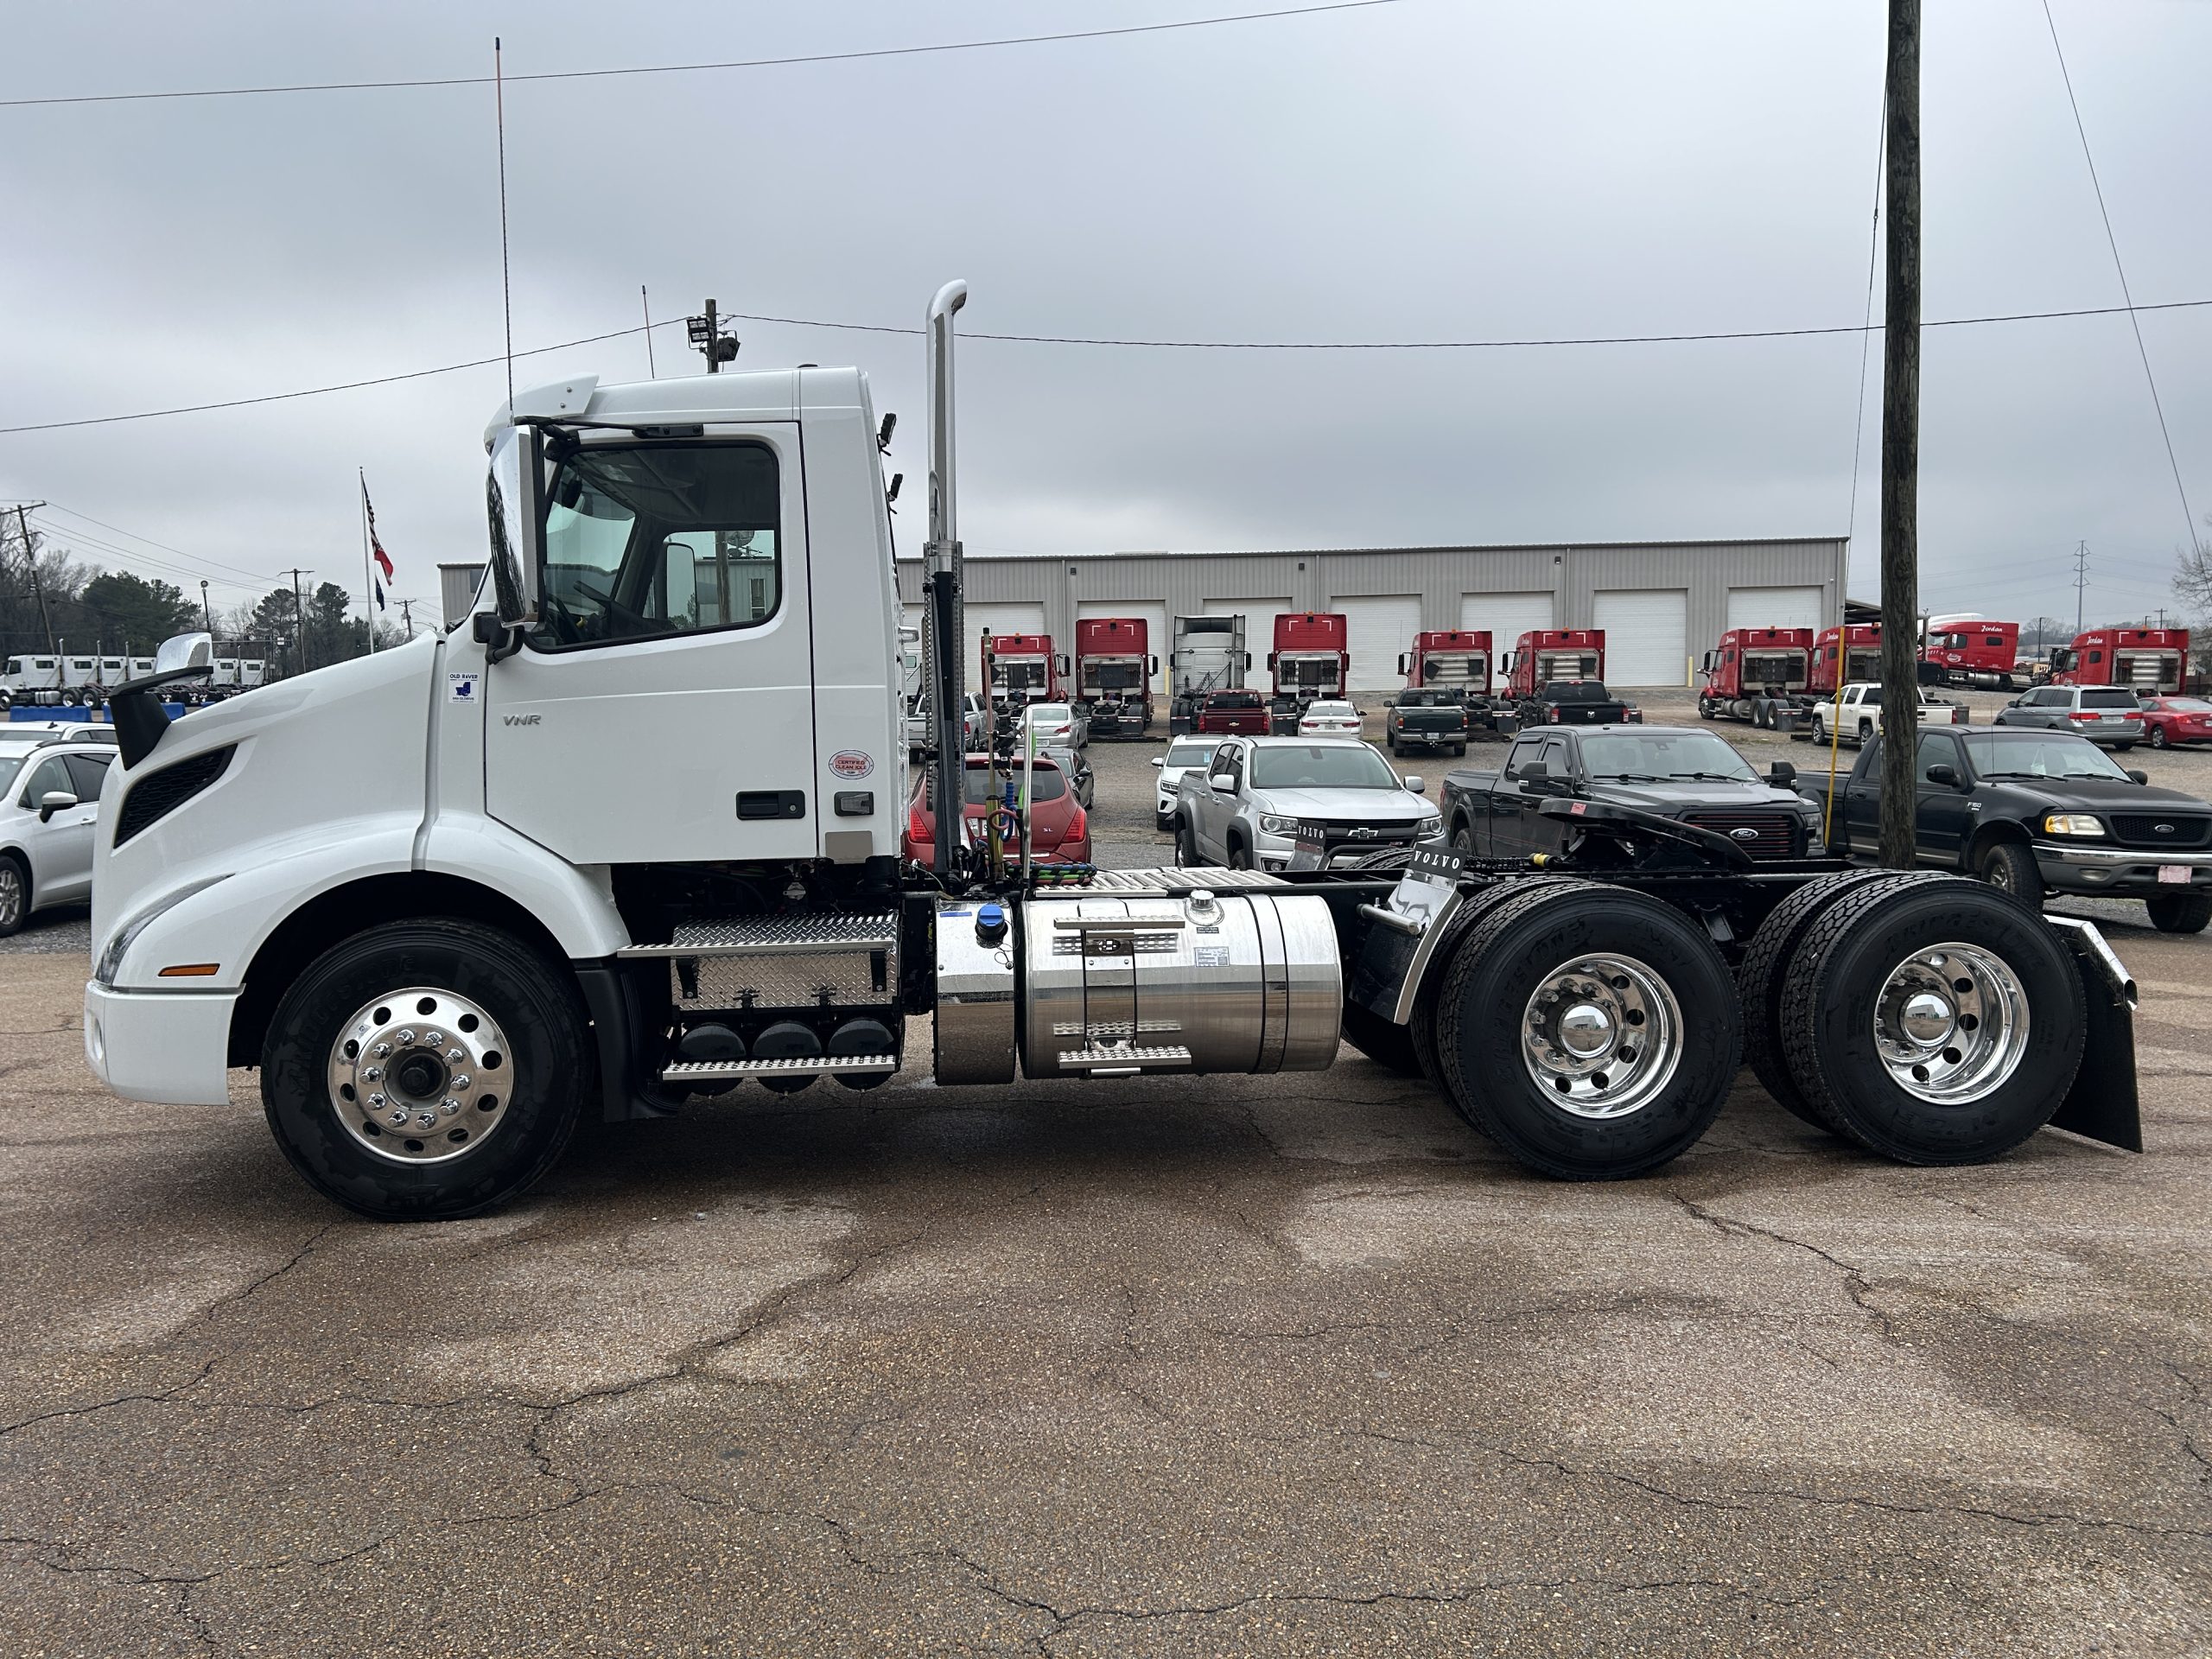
(1415, 784)
(512, 501)
(1158, 760)
(54, 801)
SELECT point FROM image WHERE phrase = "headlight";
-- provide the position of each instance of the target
(120, 941)
(1429, 828)
(1271, 825)
(2072, 824)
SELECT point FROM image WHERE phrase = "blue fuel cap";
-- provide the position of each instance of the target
(990, 924)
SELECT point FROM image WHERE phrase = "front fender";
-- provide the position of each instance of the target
(575, 905)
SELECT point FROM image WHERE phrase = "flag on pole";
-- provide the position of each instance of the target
(375, 547)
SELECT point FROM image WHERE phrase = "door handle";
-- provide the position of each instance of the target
(770, 804)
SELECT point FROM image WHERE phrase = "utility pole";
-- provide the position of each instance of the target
(298, 624)
(30, 563)
(706, 333)
(407, 616)
(207, 611)
(1900, 441)
(2080, 580)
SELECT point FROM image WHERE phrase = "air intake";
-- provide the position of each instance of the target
(157, 795)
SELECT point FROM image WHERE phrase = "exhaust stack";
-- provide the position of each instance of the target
(941, 633)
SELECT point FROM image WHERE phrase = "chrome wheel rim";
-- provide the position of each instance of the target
(12, 894)
(1951, 1024)
(421, 1076)
(1601, 1036)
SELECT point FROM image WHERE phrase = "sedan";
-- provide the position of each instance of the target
(1058, 725)
(1059, 830)
(1074, 768)
(2169, 720)
(1329, 720)
(49, 801)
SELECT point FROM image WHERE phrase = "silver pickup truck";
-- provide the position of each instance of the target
(1243, 809)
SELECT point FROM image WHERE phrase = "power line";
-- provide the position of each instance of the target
(132, 535)
(695, 68)
(1153, 345)
(76, 541)
(2189, 516)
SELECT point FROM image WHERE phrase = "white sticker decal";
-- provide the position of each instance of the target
(460, 688)
(851, 765)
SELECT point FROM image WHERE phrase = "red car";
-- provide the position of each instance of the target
(1234, 713)
(1059, 830)
(2168, 721)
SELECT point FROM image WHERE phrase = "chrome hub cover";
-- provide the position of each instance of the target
(421, 1076)
(1601, 1036)
(1951, 1023)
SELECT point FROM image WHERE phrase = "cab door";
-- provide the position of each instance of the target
(661, 709)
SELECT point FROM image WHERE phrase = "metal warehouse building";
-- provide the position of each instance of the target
(1662, 604)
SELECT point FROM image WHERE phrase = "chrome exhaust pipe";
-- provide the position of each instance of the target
(944, 668)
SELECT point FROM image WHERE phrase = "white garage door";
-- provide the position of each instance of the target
(1508, 616)
(1158, 641)
(1381, 629)
(1775, 607)
(1000, 618)
(1646, 635)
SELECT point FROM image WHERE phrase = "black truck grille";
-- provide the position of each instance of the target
(1774, 834)
(2161, 830)
(1365, 837)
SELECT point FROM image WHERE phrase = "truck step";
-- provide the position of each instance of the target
(774, 936)
(1212, 877)
(819, 1065)
(1132, 1058)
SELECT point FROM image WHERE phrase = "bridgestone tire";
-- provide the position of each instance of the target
(551, 1071)
(1827, 1019)
(1512, 948)
(1764, 970)
(2010, 868)
(2180, 912)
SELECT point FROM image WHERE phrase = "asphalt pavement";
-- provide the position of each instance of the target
(1296, 1365)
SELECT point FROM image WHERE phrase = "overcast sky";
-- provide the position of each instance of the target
(1427, 170)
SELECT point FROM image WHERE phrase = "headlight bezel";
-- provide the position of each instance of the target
(2080, 826)
(1274, 823)
(109, 966)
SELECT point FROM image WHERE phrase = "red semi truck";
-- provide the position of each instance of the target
(1754, 670)
(1969, 650)
(1857, 649)
(1020, 669)
(1549, 654)
(1114, 668)
(2146, 660)
(1452, 659)
(1310, 661)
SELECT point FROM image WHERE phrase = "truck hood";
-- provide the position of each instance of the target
(1367, 805)
(2104, 794)
(1670, 799)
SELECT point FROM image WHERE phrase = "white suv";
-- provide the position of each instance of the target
(49, 799)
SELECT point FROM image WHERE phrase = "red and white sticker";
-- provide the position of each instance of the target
(851, 765)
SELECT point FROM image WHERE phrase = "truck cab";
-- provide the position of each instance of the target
(1114, 668)
(1020, 669)
(1310, 659)
(1752, 666)
(1450, 659)
(1842, 655)
(1972, 650)
(1548, 654)
(2149, 661)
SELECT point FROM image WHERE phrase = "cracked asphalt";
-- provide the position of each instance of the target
(1292, 1366)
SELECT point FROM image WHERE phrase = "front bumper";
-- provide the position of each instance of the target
(2117, 869)
(171, 1047)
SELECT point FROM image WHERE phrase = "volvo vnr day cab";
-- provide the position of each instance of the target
(1449, 659)
(1209, 655)
(1310, 659)
(1113, 666)
(1754, 672)
(1020, 669)
(1972, 650)
(439, 971)
(2150, 661)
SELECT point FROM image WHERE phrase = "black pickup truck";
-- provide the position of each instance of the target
(2037, 811)
(1670, 771)
(1575, 702)
(1426, 719)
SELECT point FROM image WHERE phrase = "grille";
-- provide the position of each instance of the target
(2141, 829)
(1778, 832)
(157, 795)
(1365, 838)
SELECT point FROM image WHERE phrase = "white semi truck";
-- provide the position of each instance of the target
(630, 833)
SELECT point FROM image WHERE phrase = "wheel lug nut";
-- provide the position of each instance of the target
(427, 1120)
(434, 1037)
(372, 1073)
(381, 1050)
(461, 1083)
(376, 1099)
(396, 1119)
(407, 1036)
(449, 1106)
(454, 1056)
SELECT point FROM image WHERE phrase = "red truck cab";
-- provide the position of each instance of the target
(1449, 659)
(1311, 659)
(2146, 660)
(1858, 648)
(1113, 666)
(1548, 654)
(1751, 665)
(1020, 669)
(1970, 652)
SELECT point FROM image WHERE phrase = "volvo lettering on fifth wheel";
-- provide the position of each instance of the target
(437, 979)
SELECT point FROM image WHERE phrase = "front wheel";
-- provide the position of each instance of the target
(426, 1069)
(1186, 846)
(14, 895)
(2180, 912)
(2010, 867)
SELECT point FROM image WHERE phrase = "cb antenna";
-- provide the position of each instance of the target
(506, 287)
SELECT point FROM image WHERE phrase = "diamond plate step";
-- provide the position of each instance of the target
(823, 1065)
(1130, 1059)
(775, 936)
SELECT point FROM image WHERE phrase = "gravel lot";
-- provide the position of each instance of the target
(1292, 1366)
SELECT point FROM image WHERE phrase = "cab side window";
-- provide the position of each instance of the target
(1936, 749)
(1524, 752)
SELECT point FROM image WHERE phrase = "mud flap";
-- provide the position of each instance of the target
(1403, 933)
(2102, 1105)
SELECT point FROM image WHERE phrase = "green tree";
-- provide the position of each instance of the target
(131, 610)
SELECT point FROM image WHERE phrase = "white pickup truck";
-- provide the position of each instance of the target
(1857, 712)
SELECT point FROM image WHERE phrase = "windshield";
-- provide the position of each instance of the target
(1661, 756)
(1189, 755)
(10, 765)
(1332, 710)
(1320, 766)
(2039, 754)
(1418, 700)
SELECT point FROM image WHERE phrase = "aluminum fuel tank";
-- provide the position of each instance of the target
(1233, 982)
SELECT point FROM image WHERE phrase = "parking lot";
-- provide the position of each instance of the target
(1294, 1365)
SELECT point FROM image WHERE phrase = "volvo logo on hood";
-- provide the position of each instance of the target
(1747, 833)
